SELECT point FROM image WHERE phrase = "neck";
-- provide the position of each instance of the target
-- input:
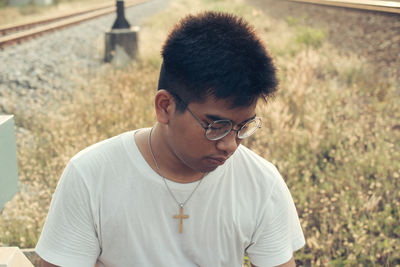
(169, 165)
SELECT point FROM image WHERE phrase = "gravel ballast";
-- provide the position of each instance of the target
(50, 62)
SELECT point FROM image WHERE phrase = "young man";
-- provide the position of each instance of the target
(185, 192)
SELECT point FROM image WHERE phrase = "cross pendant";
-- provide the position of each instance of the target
(181, 216)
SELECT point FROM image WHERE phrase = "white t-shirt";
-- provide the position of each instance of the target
(110, 206)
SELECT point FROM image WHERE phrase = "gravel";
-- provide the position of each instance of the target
(50, 62)
(371, 35)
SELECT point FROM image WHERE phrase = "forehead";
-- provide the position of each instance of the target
(222, 109)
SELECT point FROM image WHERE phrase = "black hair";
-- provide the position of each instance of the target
(216, 54)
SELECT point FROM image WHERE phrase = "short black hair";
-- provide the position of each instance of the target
(216, 54)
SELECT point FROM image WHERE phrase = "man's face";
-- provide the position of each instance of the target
(186, 139)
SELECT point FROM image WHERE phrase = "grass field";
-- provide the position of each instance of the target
(333, 131)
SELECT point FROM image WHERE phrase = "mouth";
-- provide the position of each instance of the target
(216, 160)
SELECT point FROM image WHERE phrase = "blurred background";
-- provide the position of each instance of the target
(333, 129)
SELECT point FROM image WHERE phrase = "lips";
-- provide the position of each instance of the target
(217, 160)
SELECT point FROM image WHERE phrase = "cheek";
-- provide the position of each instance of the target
(189, 140)
(186, 132)
(193, 144)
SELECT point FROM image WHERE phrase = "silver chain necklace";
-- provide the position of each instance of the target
(181, 205)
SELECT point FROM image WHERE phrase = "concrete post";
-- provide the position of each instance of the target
(121, 43)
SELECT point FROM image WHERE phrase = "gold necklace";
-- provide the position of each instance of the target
(181, 205)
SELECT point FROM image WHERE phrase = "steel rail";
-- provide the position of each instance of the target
(21, 26)
(65, 22)
(369, 5)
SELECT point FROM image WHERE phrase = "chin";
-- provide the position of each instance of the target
(207, 169)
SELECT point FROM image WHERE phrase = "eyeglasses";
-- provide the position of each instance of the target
(220, 128)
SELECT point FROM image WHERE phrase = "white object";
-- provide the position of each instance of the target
(43, 2)
(8, 160)
(25, 2)
(13, 257)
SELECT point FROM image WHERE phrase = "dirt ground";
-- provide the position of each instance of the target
(373, 36)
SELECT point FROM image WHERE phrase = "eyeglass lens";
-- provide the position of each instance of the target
(221, 128)
(249, 128)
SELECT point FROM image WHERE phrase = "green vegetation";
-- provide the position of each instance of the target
(305, 35)
(333, 130)
(3, 3)
(311, 38)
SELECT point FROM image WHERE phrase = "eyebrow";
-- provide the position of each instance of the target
(216, 118)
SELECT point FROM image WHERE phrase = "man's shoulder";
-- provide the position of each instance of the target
(102, 151)
(256, 176)
(245, 156)
(255, 167)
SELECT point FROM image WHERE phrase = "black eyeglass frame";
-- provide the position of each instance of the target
(208, 127)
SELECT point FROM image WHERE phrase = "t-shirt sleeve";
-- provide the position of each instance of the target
(279, 232)
(69, 235)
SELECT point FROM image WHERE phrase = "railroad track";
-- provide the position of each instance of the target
(370, 5)
(12, 34)
(17, 33)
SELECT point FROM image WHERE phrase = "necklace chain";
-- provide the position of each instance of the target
(181, 204)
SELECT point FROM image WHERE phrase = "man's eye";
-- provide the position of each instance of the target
(216, 127)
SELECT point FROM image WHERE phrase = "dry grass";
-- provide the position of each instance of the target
(333, 131)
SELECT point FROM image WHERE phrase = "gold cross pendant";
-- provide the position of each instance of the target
(181, 216)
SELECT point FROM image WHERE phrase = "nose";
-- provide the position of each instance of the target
(229, 143)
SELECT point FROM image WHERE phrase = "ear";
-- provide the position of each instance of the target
(164, 104)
